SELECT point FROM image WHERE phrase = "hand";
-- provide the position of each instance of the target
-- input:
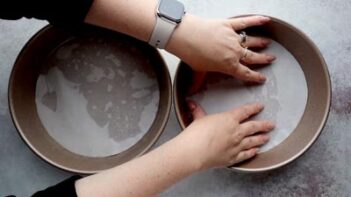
(225, 139)
(214, 45)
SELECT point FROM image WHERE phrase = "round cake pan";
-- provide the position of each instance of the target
(317, 105)
(22, 98)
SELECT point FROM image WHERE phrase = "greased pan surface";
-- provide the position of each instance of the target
(36, 60)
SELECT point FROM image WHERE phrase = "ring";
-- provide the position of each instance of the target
(246, 51)
(243, 37)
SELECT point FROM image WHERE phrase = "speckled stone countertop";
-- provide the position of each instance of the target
(323, 171)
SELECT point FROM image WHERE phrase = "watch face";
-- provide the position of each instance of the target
(171, 9)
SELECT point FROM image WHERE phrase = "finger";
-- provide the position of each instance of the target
(248, 21)
(246, 74)
(252, 127)
(246, 111)
(196, 110)
(257, 58)
(255, 42)
(253, 141)
(245, 155)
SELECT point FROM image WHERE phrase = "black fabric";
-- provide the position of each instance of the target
(65, 189)
(65, 13)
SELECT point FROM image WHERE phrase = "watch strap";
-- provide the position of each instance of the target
(162, 32)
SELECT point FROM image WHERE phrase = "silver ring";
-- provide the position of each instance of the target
(243, 37)
(246, 51)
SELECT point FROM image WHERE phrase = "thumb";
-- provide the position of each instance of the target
(196, 110)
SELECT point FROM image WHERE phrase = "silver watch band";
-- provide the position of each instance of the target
(163, 31)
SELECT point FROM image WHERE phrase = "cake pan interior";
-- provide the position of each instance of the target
(89, 99)
(316, 104)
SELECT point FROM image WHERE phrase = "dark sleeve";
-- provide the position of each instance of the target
(65, 188)
(60, 12)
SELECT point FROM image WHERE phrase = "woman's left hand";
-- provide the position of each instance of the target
(215, 45)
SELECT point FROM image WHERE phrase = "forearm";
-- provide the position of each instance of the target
(137, 19)
(133, 17)
(145, 176)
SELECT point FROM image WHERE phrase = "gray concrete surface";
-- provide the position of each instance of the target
(323, 171)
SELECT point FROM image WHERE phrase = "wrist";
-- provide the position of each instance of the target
(186, 154)
(190, 152)
(180, 40)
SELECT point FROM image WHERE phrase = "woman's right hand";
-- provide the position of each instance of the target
(224, 139)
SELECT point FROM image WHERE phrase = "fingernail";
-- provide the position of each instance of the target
(266, 42)
(262, 78)
(270, 58)
(256, 150)
(271, 125)
(266, 138)
(260, 106)
(264, 19)
(191, 105)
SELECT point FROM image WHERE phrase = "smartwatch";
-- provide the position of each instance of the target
(169, 14)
